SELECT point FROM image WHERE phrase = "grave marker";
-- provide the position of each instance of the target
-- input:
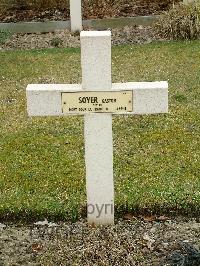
(97, 98)
(75, 15)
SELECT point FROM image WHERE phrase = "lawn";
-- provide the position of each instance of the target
(156, 157)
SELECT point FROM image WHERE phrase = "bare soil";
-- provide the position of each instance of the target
(131, 242)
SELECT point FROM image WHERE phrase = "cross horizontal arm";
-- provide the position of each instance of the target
(148, 97)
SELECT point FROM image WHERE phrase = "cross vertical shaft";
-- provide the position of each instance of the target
(75, 15)
(96, 75)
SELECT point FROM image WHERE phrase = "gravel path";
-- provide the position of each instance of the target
(126, 35)
(133, 242)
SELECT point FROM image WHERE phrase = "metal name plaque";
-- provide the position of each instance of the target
(97, 102)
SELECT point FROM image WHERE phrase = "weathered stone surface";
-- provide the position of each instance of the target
(148, 97)
(76, 15)
(96, 75)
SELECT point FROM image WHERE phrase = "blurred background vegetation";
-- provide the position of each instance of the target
(110, 5)
(180, 23)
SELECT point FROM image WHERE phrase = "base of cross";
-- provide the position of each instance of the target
(98, 99)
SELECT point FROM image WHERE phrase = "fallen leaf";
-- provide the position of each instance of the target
(129, 216)
(151, 218)
(45, 222)
(36, 247)
(163, 218)
(92, 225)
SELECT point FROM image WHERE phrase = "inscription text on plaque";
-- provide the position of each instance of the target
(97, 102)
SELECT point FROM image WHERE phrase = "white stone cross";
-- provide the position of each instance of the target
(97, 98)
(75, 15)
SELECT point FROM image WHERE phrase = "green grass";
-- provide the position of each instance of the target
(4, 35)
(156, 157)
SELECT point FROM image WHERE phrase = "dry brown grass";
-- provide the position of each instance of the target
(181, 22)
